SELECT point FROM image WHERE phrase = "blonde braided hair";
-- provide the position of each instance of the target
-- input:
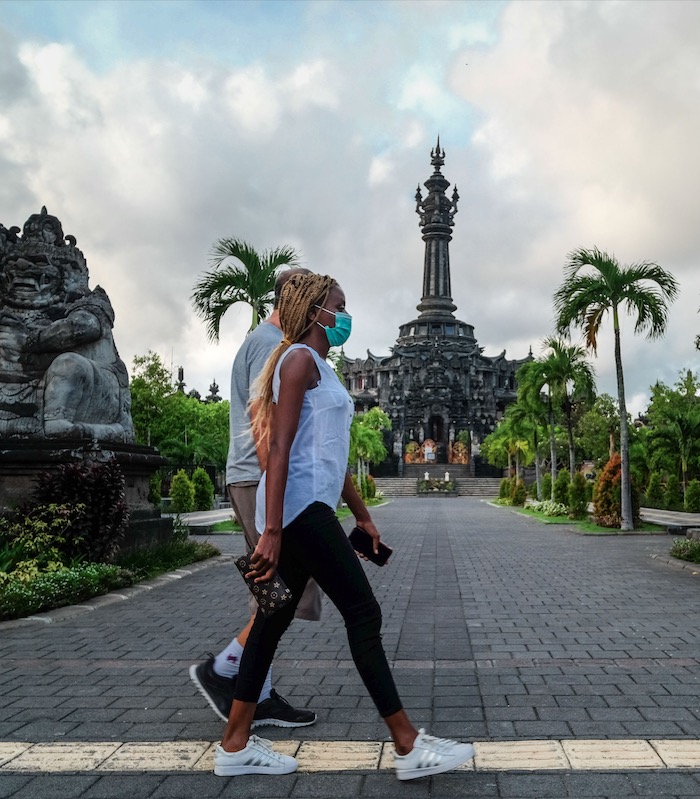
(299, 295)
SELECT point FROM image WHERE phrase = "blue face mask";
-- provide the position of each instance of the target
(338, 335)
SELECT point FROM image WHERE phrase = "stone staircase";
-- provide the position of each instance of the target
(486, 487)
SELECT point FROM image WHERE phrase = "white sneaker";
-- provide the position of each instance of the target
(431, 755)
(258, 757)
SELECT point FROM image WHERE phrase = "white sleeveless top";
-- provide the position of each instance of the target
(318, 459)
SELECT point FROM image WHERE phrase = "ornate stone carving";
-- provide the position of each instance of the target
(60, 372)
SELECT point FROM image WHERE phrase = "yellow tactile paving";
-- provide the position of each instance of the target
(151, 756)
(9, 750)
(198, 756)
(606, 754)
(520, 755)
(63, 756)
(678, 754)
(338, 755)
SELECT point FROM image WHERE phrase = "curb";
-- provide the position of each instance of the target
(120, 595)
(675, 563)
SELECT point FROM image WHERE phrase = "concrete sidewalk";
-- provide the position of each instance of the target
(573, 661)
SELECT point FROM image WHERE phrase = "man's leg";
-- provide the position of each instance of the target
(216, 677)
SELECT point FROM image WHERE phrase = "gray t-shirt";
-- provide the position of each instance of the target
(242, 463)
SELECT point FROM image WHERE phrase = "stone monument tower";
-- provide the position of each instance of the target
(442, 394)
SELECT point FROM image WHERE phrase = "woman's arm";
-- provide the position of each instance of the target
(359, 510)
(297, 374)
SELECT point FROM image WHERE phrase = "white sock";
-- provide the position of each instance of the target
(267, 687)
(228, 661)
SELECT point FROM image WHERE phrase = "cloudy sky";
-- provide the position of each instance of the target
(153, 128)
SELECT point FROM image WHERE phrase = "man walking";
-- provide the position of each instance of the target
(215, 678)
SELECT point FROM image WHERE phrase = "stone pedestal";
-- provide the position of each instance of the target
(21, 460)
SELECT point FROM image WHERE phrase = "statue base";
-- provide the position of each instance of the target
(21, 461)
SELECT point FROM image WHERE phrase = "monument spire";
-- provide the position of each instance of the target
(436, 214)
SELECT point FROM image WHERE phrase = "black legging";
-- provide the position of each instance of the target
(315, 545)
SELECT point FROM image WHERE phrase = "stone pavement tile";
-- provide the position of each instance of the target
(668, 784)
(55, 787)
(676, 754)
(591, 783)
(62, 756)
(520, 755)
(386, 786)
(186, 786)
(129, 786)
(323, 785)
(601, 754)
(531, 786)
(11, 784)
(454, 783)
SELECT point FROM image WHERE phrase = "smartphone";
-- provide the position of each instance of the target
(364, 543)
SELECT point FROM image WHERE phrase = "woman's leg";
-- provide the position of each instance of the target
(260, 649)
(318, 537)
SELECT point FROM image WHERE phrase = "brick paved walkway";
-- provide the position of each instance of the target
(501, 630)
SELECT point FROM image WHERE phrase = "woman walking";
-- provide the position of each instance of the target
(305, 413)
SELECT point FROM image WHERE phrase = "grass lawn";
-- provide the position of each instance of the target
(343, 513)
(587, 527)
(227, 526)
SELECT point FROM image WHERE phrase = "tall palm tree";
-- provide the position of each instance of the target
(252, 281)
(594, 285)
(570, 379)
(531, 406)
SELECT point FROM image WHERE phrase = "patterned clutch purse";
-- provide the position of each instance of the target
(271, 595)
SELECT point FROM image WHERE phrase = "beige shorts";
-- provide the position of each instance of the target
(242, 496)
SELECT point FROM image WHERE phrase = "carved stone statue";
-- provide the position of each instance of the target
(60, 372)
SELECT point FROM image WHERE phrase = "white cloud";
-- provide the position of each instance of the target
(573, 125)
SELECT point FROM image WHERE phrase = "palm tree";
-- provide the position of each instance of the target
(677, 439)
(530, 405)
(252, 281)
(570, 380)
(595, 284)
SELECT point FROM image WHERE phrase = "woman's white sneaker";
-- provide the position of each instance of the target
(431, 755)
(258, 757)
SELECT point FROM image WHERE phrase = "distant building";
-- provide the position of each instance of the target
(442, 394)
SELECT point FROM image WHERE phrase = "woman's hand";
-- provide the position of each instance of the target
(369, 527)
(265, 557)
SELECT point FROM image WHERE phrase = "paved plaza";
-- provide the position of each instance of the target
(573, 661)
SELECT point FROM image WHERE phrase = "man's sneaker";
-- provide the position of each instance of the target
(218, 691)
(277, 712)
(258, 757)
(431, 756)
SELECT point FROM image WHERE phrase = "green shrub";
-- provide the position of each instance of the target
(692, 497)
(549, 508)
(686, 549)
(34, 539)
(55, 589)
(155, 488)
(654, 496)
(504, 488)
(590, 485)
(673, 500)
(578, 500)
(182, 493)
(547, 486)
(561, 487)
(96, 533)
(370, 487)
(203, 489)
(146, 562)
(519, 492)
(532, 491)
